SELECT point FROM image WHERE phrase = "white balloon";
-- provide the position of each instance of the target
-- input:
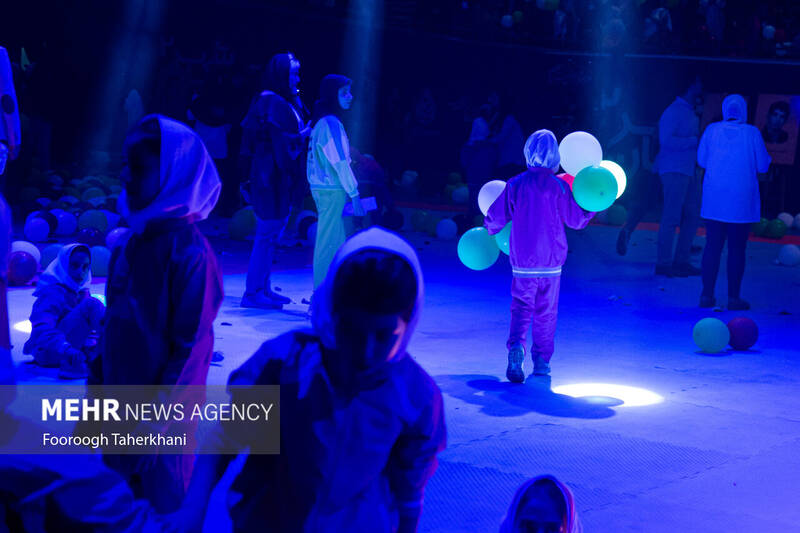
(789, 255)
(787, 219)
(489, 193)
(25, 246)
(619, 175)
(797, 221)
(579, 150)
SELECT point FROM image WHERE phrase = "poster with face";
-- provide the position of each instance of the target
(776, 118)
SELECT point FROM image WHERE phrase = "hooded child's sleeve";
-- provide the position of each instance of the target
(573, 215)
(413, 459)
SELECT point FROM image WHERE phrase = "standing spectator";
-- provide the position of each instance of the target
(732, 153)
(478, 160)
(678, 130)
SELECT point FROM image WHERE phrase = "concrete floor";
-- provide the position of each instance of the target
(720, 453)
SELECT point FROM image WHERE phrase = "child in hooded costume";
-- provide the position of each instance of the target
(540, 205)
(274, 139)
(545, 504)
(164, 286)
(330, 176)
(361, 421)
(65, 317)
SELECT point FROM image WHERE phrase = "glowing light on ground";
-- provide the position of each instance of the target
(23, 326)
(630, 396)
(100, 297)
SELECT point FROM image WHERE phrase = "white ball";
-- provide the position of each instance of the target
(787, 219)
(25, 246)
(619, 175)
(797, 221)
(489, 193)
(579, 150)
(789, 255)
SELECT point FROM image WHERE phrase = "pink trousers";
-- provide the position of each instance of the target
(534, 302)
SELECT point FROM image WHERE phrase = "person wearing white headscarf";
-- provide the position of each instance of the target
(361, 421)
(479, 157)
(64, 314)
(164, 286)
(542, 503)
(539, 204)
(732, 153)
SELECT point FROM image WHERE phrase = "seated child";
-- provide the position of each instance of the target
(539, 204)
(361, 421)
(65, 318)
(542, 505)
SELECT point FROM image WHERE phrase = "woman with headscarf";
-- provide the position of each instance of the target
(478, 160)
(274, 140)
(732, 153)
(164, 286)
(539, 204)
(65, 317)
(542, 503)
(361, 421)
(330, 176)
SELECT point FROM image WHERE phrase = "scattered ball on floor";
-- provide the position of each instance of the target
(743, 333)
(711, 335)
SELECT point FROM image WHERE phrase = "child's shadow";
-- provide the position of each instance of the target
(501, 398)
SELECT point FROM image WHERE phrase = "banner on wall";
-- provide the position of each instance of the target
(776, 117)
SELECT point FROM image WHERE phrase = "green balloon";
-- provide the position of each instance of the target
(503, 239)
(617, 215)
(595, 188)
(430, 225)
(92, 192)
(477, 249)
(760, 227)
(776, 229)
(242, 224)
(93, 219)
(711, 335)
(419, 219)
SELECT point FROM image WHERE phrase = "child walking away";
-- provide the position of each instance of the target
(65, 318)
(542, 503)
(164, 287)
(361, 421)
(539, 204)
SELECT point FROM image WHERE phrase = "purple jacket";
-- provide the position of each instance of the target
(539, 204)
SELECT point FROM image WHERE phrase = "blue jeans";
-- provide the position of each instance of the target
(267, 234)
(681, 208)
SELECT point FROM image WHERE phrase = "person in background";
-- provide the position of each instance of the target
(65, 319)
(274, 140)
(542, 504)
(539, 204)
(733, 154)
(164, 287)
(330, 175)
(478, 160)
(361, 421)
(679, 131)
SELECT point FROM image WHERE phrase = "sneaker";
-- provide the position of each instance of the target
(707, 302)
(283, 300)
(622, 241)
(685, 270)
(73, 366)
(540, 366)
(664, 270)
(516, 357)
(259, 300)
(737, 304)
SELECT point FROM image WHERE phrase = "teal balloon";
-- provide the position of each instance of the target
(101, 256)
(617, 215)
(711, 335)
(49, 253)
(93, 218)
(477, 249)
(503, 239)
(595, 188)
(775, 229)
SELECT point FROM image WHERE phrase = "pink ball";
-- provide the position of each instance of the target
(744, 333)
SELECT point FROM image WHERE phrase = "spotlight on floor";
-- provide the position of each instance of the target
(630, 396)
(23, 326)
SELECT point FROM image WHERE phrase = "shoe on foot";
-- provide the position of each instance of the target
(540, 366)
(73, 365)
(283, 300)
(707, 302)
(664, 270)
(622, 241)
(259, 300)
(684, 270)
(516, 357)
(737, 304)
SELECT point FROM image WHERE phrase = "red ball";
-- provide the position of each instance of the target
(744, 333)
(22, 268)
